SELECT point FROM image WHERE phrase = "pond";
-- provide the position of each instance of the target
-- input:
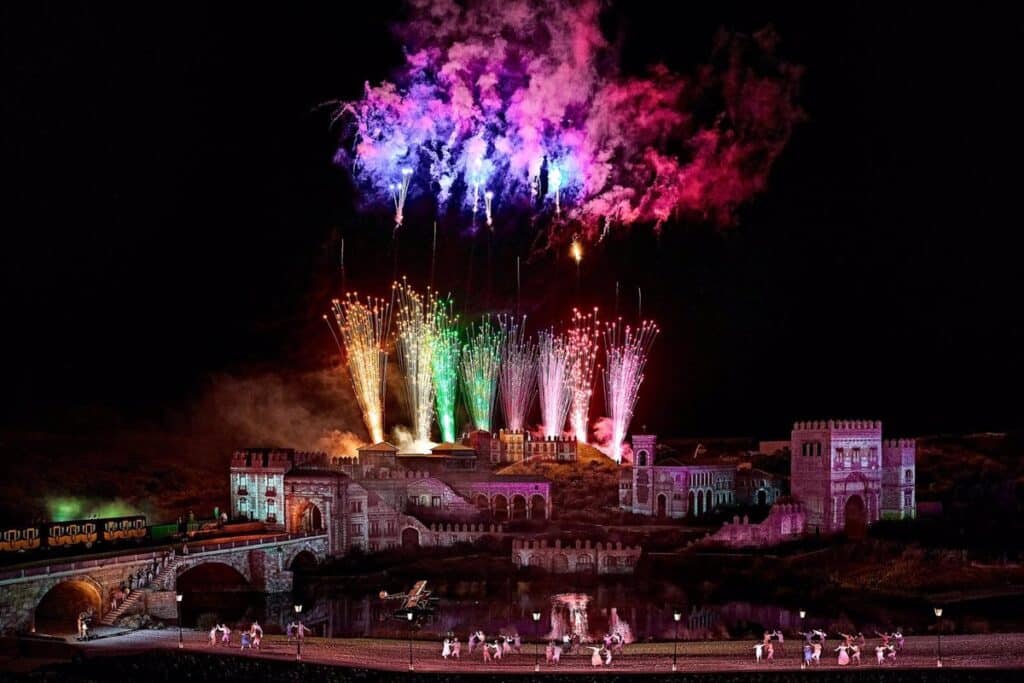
(638, 612)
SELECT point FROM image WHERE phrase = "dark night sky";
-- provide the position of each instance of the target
(171, 213)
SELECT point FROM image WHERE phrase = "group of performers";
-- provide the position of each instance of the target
(504, 645)
(847, 653)
(252, 639)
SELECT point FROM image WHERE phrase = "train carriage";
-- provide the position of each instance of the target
(124, 528)
(79, 532)
(16, 540)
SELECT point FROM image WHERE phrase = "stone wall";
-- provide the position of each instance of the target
(581, 557)
(450, 534)
(785, 522)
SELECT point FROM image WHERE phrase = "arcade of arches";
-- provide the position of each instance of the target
(514, 507)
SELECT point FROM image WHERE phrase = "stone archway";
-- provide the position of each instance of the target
(560, 563)
(693, 504)
(57, 612)
(500, 508)
(538, 507)
(518, 507)
(312, 518)
(762, 497)
(855, 517)
(482, 503)
(303, 561)
(410, 537)
(662, 506)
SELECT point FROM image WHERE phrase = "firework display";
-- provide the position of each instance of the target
(491, 358)
(479, 364)
(626, 351)
(364, 331)
(415, 344)
(522, 100)
(518, 377)
(552, 382)
(582, 341)
(445, 366)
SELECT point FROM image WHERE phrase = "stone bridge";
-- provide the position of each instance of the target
(40, 590)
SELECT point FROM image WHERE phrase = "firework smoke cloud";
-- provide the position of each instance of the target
(520, 103)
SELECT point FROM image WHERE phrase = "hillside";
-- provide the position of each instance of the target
(585, 490)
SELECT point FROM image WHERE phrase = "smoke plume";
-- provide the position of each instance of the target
(524, 99)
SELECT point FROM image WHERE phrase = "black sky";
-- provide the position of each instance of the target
(171, 212)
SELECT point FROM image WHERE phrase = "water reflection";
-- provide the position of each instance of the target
(329, 609)
(615, 609)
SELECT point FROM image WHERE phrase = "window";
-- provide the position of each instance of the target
(243, 503)
(375, 528)
(435, 502)
(357, 506)
(908, 476)
(271, 491)
(271, 502)
(271, 518)
(908, 498)
(840, 458)
(374, 547)
(391, 528)
(357, 529)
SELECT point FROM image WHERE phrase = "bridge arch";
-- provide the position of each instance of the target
(58, 608)
(303, 560)
(211, 575)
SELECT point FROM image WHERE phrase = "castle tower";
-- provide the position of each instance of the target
(899, 477)
(836, 472)
(644, 449)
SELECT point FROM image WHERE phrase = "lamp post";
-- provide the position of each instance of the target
(177, 602)
(408, 615)
(800, 652)
(938, 634)
(298, 635)
(676, 616)
(536, 645)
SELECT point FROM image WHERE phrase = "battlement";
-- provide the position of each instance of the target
(837, 425)
(583, 557)
(467, 528)
(277, 458)
(899, 443)
(521, 544)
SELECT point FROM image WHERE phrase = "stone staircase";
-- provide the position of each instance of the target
(158, 583)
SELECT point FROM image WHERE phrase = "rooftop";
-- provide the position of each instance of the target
(378, 447)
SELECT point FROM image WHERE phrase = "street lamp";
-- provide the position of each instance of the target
(298, 636)
(177, 602)
(536, 645)
(800, 652)
(938, 634)
(408, 615)
(676, 616)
